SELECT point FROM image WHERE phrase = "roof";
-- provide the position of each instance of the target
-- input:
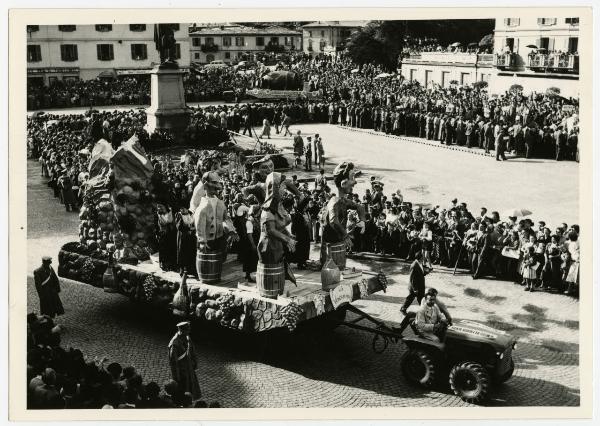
(243, 30)
(344, 24)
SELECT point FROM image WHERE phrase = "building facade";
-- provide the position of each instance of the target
(328, 37)
(231, 43)
(433, 69)
(71, 52)
(537, 52)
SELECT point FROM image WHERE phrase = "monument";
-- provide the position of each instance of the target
(167, 110)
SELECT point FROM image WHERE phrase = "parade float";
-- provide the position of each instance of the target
(117, 246)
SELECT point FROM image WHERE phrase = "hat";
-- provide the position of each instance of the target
(183, 324)
(46, 259)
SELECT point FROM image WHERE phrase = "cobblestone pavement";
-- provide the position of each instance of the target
(308, 368)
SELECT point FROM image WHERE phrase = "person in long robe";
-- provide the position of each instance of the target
(66, 189)
(182, 359)
(249, 241)
(186, 241)
(167, 238)
(301, 229)
(48, 287)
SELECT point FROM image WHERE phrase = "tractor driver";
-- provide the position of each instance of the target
(433, 317)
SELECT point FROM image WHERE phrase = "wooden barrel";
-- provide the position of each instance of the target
(270, 279)
(211, 265)
(338, 254)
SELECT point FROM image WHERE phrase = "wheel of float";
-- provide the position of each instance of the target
(470, 381)
(508, 374)
(418, 367)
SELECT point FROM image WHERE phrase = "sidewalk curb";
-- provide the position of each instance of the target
(422, 141)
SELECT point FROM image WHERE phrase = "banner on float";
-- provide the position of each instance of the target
(283, 94)
(341, 294)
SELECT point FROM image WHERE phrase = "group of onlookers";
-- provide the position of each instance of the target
(59, 378)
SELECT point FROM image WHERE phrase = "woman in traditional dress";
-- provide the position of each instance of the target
(572, 278)
(186, 241)
(301, 229)
(529, 269)
(167, 238)
(266, 130)
(552, 273)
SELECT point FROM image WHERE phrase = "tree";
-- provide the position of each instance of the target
(392, 36)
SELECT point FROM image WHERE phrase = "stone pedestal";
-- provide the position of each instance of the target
(167, 109)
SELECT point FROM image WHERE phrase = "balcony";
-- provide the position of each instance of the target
(485, 59)
(275, 48)
(553, 62)
(442, 57)
(505, 60)
(209, 48)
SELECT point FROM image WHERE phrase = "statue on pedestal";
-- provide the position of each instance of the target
(335, 213)
(164, 39)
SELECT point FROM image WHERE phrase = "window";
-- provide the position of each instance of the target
(70, 78)
(196, 41)
(322, 33)
(103, 28)
(510, 43)
(177, 51)
(175, 27)
(512, 22)
(34, 53)
(105, 52)
(310, 33)
(274, 41)
(67, 28)
(139, 52)
(546, 21)
(196, 55)
(33, 28)
(239, 41)
(209, 41)
(287, 41)
(572, 21)
(227, 55)
(210, 58)
(137, 27)
(227, 41)
(260, 41)
(544, 43)
(68, 52)
(573, 44)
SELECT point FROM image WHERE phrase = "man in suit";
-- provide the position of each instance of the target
(182, 360)
(416, 283)
(484, 251)
(214, 227)
(48, 287)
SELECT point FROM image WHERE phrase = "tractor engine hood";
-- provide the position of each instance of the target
(476, 332)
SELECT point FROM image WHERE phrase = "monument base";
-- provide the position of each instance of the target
(168, 110)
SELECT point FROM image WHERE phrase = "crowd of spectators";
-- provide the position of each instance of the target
(59, 378)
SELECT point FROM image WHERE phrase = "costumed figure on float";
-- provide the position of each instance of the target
(334, 216)
(214, 231)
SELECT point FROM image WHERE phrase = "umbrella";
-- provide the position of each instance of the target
(517, 213)
(84, 151)
(382, 75)
(532, 46)
(487, 40)
(456, 44)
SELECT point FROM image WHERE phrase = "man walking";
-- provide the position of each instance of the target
(500, 144)
(416, 283)
(298, 148)
(308, 155)
(48, 287)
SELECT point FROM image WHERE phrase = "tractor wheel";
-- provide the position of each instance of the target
(418, 367)
(470, 381)
(508, 374)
